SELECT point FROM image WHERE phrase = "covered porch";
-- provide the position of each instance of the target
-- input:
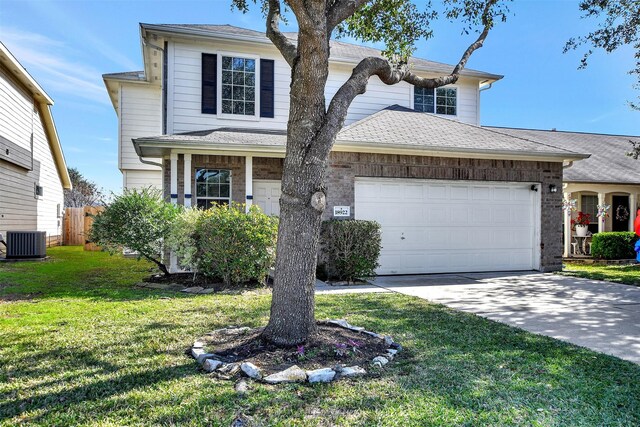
(202, 179)
(622, 200)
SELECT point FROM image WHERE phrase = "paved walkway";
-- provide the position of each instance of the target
(602, 316)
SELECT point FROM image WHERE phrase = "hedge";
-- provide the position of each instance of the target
(350, 249)
(614, 245)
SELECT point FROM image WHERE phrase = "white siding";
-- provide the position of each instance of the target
(140, 115)
(15, 111)
(185, 87)
(142, 179)
(184, 90)
(20, 209)
(50, 181)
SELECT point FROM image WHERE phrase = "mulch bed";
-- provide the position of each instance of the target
(332, 345)
(187, 280)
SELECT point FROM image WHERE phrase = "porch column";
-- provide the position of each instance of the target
(174, 178)
(567, 228)
(248, 175)
(633, 208)
(173, 259)
(601, 218)
(187, 180)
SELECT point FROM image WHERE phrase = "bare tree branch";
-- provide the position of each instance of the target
(288, 50)
(341, 10)
(422, 82)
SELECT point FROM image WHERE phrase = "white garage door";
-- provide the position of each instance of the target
(433, 226)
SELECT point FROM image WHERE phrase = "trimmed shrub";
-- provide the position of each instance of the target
(183, 238)
(351, 248)
(614, 245)
(234, 245)
(139, 220)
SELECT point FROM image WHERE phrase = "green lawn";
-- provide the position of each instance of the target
(80, 345)
(627, 274)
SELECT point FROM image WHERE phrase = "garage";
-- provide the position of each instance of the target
(433, 226)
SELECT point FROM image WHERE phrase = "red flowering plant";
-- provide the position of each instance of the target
(581, 219)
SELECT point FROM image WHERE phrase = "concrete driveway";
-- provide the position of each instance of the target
(602, 316)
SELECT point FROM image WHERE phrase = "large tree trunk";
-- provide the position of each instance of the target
(311, 132)
(292, 319)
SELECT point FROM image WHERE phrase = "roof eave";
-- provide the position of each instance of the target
(458, 152)
(225, 36)
(19, 72)
(141, 144)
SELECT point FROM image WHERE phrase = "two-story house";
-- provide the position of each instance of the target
(33, 172)
(206, 120)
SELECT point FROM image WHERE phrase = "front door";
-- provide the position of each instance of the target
(266, 194)
(620, 213)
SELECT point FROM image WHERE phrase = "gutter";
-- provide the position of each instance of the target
(361, 147)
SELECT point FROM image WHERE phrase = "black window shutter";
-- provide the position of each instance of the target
(209, 83)
(266, 88)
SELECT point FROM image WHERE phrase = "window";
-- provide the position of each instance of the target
(38, 191)
(238, 86)
(589, 205)
(442, 100)
(213, 186)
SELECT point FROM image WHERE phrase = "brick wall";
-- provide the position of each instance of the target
(345, 167)
(263, 168)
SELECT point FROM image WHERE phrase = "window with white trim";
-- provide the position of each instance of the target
(441, 100)
(238, 86)
(213, 186)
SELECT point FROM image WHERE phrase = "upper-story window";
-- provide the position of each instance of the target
(442, 100)
(237, 86)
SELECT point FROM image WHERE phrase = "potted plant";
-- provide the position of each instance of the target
(581, 224)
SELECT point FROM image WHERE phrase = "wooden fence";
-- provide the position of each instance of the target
(77, 223)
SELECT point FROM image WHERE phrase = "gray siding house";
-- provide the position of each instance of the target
(33, 172)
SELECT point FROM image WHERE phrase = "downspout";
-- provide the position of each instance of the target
(487, 87)
(149, 162)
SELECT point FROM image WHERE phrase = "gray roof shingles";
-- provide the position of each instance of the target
(400, 126)
(608, 162)
(230, 136)
(394, 126)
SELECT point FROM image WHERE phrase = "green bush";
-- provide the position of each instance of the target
(139, 220)
(234, 245)
(183, 238)
(614, 245)
(350, 248)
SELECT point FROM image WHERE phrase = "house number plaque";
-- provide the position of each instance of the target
(341, 211)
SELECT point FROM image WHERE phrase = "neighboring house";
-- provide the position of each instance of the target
(32, 166)
(206, 122)
(609, 177)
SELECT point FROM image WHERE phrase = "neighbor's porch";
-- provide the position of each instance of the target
(623, 202)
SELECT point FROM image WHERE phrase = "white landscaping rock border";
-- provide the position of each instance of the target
(211, 362)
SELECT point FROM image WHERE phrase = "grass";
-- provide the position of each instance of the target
(627, 274)
(81, 345)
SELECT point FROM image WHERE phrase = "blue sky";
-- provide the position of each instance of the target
(68, 44)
